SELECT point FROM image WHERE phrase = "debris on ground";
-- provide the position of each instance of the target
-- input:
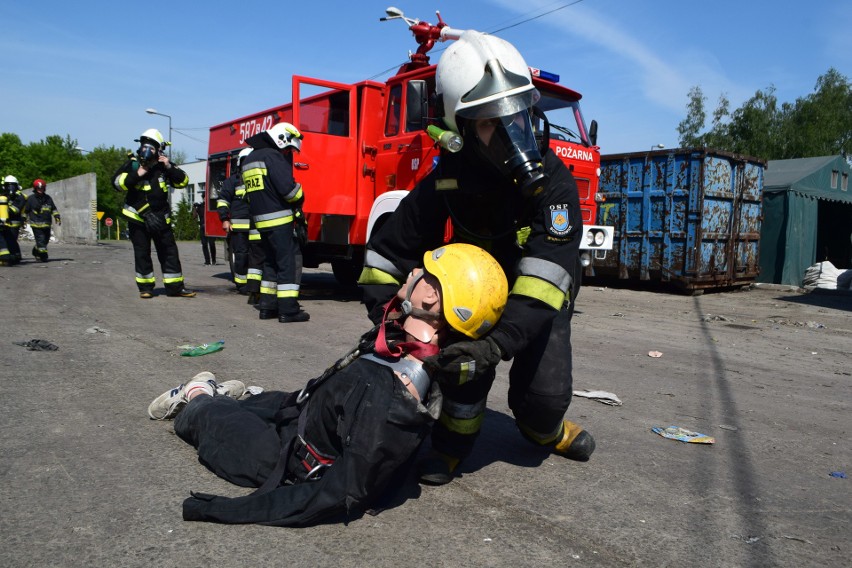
(204, 349)
(37, 345)
(600, 396)
(838, 474)
(683, 435)
(655, 354)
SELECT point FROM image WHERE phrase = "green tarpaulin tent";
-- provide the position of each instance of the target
(807, 217)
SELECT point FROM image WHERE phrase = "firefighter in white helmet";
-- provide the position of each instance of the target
(349, 431)
(233, 209)
(275, 202)
(507, 192)
(145, 178)
(12, 206)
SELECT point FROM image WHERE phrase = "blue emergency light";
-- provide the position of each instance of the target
(546, 75)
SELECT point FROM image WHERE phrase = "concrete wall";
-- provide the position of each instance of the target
(76, 199)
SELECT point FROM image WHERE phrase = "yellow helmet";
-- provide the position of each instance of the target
(473, 287)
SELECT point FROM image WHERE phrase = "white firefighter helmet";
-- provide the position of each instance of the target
(285, 135)
(482, 76)
(10, 179)
(152, 135)
(243, 153)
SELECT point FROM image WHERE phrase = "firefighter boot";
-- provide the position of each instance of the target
(437, 468)
(253, 298)
(575, 444)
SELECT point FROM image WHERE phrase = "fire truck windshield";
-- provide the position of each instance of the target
(566, 120)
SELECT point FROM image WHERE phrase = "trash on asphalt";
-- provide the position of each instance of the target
(655, 354)
(838, 474)
(600, 396)
(37, 345)
(683, 435)
(204, 349)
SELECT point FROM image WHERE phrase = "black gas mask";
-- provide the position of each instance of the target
(148, 154)
(509, 143)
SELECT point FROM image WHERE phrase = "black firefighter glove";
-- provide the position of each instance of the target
(466, 358)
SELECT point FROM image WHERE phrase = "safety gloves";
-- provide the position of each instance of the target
(465, 359)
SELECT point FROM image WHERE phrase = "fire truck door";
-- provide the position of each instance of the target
(404, 150)
(326, 114)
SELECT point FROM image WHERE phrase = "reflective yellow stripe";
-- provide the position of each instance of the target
(142, 280)
(445, 184)
(462, 425)
(172, 280)
(540, 290)
(274, 222)
(253, 179)
(287, 294)
(464, 373)
(375, 276)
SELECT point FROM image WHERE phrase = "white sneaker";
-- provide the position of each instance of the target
(168, 404)
(233, 389)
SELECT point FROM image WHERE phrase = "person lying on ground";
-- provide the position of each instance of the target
(332, 448)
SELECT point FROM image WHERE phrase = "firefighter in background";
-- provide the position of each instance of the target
(234, 213)
(145, 178)
(275, 199)
(12, 203)
(41, 212)
(507, 192)
(335, 446)
(208, 244)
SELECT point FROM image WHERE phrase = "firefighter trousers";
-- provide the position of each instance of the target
(167, 254)
(42, 237)
(254, 272)
(540, 391)
(238, 245)
(282, 271)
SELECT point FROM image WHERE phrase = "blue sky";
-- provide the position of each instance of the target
(90, 69)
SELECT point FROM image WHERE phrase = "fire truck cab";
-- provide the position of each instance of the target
(366, 146)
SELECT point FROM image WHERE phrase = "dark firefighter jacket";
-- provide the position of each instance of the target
(535, 239)
(40, 210)
(17, 204)
(149, 192)
(365, 419)
(232, 204)
(273, 194)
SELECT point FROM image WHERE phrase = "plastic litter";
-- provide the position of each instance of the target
(655, 354)
(600, 396)
(683, 435)
(37, 345)
(204, 349)
(838, 474)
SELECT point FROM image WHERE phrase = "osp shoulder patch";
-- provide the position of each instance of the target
(559, 223)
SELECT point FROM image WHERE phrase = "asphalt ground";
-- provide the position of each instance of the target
(88, 480)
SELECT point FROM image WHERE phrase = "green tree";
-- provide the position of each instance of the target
(818, 124)
(690, 127)
(185, 227)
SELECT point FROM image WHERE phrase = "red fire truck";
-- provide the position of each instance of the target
(366, 146)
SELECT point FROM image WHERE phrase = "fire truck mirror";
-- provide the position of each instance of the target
(593, 132)
(416, 106)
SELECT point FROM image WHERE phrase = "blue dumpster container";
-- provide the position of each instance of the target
(689, 216)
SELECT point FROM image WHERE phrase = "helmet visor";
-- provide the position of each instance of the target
(147, 153)
(502, 106)
(507, 141)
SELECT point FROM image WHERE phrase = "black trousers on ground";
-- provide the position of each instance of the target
(236, 440)
(167, 254)
(282, 270)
